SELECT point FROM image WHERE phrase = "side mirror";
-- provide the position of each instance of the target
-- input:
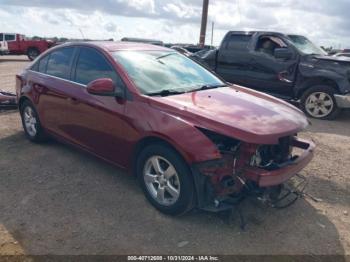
(102, 87)
(283, 53)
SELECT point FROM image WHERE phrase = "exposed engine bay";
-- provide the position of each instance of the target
(267, 172)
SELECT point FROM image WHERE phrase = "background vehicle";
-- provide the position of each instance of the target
(16, 44)
(181, 50)
(287, 66)
(7, 100)
(191, 139)
(342, 55)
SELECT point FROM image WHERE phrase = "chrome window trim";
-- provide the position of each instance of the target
(59, 78)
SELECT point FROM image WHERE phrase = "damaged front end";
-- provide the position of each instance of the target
(244, 169)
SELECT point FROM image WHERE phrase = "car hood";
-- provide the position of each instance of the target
(237, 112)
(340, 59)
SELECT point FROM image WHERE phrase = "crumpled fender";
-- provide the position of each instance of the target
(188, 140)
(312, 68)
(185, 137)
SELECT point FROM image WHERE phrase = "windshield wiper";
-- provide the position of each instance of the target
(176, 92)
(205, 87)
(165, 93)
(162, 56)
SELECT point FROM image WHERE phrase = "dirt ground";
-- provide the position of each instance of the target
(55, 199)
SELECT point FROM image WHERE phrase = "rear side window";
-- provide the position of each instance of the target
(59, 63)
(1, 37)
(91, 65)
(238, 42)
(43, 64)
(10, 37)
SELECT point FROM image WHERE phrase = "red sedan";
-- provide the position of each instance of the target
(192, 139)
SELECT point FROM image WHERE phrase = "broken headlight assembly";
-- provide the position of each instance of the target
(264, 172)
(271, 157)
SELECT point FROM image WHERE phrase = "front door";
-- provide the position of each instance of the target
(95, 122)
(269, 74)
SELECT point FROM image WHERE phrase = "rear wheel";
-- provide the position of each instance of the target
(32, 53)
(319, 102)
(165, 179)
(31, 123)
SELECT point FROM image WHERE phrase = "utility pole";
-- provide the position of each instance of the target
(204, 23)
(212, 33)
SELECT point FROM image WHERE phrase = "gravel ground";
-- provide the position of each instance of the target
(55, 199)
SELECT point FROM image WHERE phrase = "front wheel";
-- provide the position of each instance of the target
(165, 179)
(319, 102)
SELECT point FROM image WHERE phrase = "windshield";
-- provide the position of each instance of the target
(305, 46)
(159, 71)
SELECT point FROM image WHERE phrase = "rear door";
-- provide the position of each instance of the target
(233, 56)
(50, 80)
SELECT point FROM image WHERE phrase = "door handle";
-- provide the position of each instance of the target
(282, 76)
(39, 88)
(73, 100)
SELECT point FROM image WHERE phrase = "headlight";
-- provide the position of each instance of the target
(267, 154)
(224, 143)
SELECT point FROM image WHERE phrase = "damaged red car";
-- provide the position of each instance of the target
(192, 139)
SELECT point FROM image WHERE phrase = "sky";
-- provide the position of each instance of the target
(176, 21)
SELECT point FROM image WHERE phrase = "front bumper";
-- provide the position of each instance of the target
(245, 178)
(266, 178)
(343, 101)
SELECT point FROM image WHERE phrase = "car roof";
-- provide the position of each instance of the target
(140, 40)
(111, 46)
(251, 32)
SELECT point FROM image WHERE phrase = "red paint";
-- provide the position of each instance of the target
(237, 112)
(103, 86)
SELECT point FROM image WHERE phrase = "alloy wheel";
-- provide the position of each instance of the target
(162, 180)
(30, 121)
(319, 104)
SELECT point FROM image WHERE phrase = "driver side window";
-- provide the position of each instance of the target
(91, 65)
(267, 45)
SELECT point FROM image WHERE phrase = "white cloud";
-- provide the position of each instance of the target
(141, 5)
(323, 21)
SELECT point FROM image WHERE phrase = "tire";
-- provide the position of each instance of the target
(319, 102)
(31, 123)
(32, 53)
(162, 172)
